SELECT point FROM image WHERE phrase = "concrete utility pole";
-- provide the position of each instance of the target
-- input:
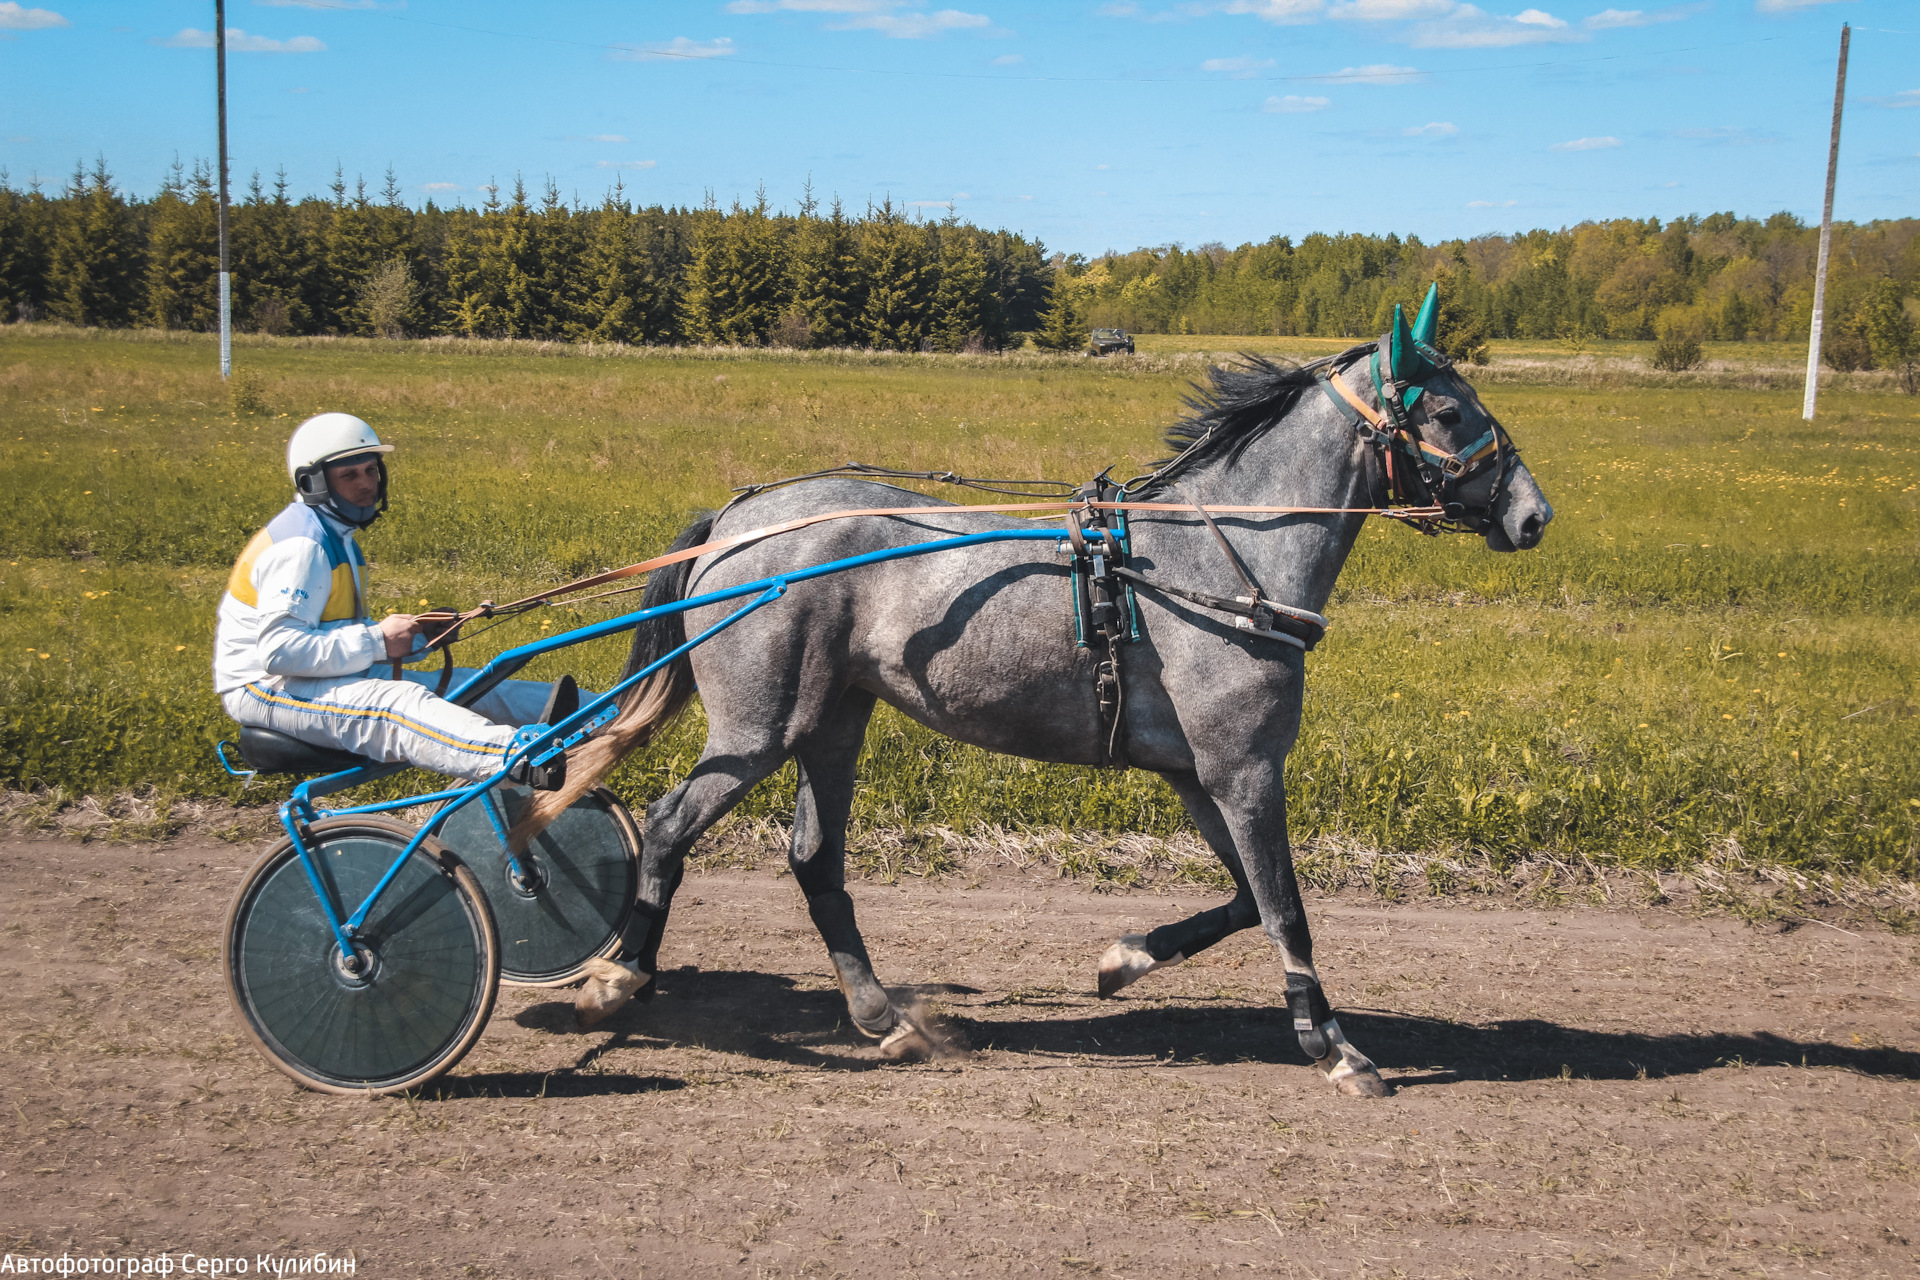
(1826, 233)
(226, 281)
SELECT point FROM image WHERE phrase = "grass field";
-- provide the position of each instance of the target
(1714, 646)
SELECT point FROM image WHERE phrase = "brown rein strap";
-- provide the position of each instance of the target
(789, 526)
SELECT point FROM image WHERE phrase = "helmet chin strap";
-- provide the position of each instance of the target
(357, 516)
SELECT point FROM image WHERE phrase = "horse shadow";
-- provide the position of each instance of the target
(769, 1018)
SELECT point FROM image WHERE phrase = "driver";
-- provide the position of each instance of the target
(297, 652)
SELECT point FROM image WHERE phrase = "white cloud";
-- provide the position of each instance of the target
(677, 49)
(1905, 98)
(441, 186)
(1435, 129)
(1009, 60)
(1238, 68)
(1610, 19)
(1374, 73)
(898, 19)
(1293, 105)
(603, 137)
(1391, 10)
(1788, 6)
(1491, 204)
(239, 41)
(1284, 12)
(626, 164)
(15, 18)
(913, 25)
(1730, 135)
(1586, 144)
(1470, 27)
(315, 4)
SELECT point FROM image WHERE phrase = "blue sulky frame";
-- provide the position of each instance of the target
(297, 811)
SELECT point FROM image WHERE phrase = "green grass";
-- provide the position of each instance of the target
(1713, 646)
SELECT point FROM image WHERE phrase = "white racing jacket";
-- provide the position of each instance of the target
(295, 605)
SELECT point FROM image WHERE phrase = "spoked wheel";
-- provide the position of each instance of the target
(425, 972)
(581, 876)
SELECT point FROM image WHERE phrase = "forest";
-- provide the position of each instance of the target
(529, 264)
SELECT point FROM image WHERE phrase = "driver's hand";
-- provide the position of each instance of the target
(398, 630)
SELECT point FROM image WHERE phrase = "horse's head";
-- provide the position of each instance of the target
(1460, 452)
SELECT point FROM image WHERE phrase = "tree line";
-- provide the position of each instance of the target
(531, 265)
(518, 265)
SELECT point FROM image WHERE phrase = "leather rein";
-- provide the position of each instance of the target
(1430, 506)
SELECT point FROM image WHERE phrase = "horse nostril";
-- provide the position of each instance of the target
(1530, 527)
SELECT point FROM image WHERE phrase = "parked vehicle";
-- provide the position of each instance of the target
(1107, 342)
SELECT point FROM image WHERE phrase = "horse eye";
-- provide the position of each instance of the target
(1447, 416)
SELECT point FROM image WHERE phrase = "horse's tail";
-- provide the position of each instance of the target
(646, 708)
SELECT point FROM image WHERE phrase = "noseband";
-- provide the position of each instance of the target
(1429, 475)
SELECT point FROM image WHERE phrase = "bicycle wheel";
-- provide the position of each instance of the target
(428, 957)
(584, 870)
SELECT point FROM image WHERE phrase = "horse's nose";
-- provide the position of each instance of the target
(1531, 529)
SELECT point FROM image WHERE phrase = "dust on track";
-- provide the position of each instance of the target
(1578, 1091)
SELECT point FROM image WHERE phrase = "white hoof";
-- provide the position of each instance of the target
(609, 985)
(1127, 961)
(907, 1043)
(1349, 1070)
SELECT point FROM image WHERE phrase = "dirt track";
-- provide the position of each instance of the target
(1580, 1091)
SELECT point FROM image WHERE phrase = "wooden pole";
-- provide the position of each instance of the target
(226, 280)
(1826, 233)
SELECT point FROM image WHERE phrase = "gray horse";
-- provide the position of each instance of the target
(979, 645)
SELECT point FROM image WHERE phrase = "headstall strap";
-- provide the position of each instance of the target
(1103, 602)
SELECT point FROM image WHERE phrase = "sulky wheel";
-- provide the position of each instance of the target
(428, 965)
(583, 872)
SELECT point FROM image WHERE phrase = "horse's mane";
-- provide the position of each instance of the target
(1237, 407)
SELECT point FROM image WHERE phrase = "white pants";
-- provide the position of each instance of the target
(395, 720)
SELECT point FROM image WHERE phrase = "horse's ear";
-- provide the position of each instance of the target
(1406, 360)
(1429, 317)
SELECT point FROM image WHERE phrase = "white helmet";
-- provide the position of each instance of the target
(332, 437)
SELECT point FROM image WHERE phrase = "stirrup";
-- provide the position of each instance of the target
(562, 702)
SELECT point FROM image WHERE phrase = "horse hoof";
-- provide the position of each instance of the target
(1355, 1082)
(609, 986)
(907, 1043)
(1127, 961)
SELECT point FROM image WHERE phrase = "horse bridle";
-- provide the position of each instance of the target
(1394, 430)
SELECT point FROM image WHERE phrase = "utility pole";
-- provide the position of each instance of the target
(1826, 233)
(226, 280)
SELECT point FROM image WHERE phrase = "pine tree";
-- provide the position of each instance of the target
(963, 286)
(475, 272)
(897, 272)
(737, 283)
(180, 289)
(510, 257)
(272, 261)
(664, 242)
(826, 278)
(24, 218)
(610, 266)
(558, 247)
(350, 257)
(1064, 327)
(93, 266)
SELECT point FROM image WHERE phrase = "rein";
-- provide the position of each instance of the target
(488, 609)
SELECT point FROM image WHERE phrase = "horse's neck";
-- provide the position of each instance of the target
(1308, 459)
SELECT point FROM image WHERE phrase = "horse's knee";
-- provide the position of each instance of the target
(1243, 912)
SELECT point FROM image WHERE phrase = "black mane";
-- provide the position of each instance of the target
(1238, 405)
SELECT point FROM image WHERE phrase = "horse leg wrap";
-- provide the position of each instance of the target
(867, 1002)
(640, 940)
(1311, 1014)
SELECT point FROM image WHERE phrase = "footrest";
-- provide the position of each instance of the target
(269, 751)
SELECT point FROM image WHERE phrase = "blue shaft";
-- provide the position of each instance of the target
(560, 736)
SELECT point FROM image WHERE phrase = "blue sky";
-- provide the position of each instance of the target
(1113, 123)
